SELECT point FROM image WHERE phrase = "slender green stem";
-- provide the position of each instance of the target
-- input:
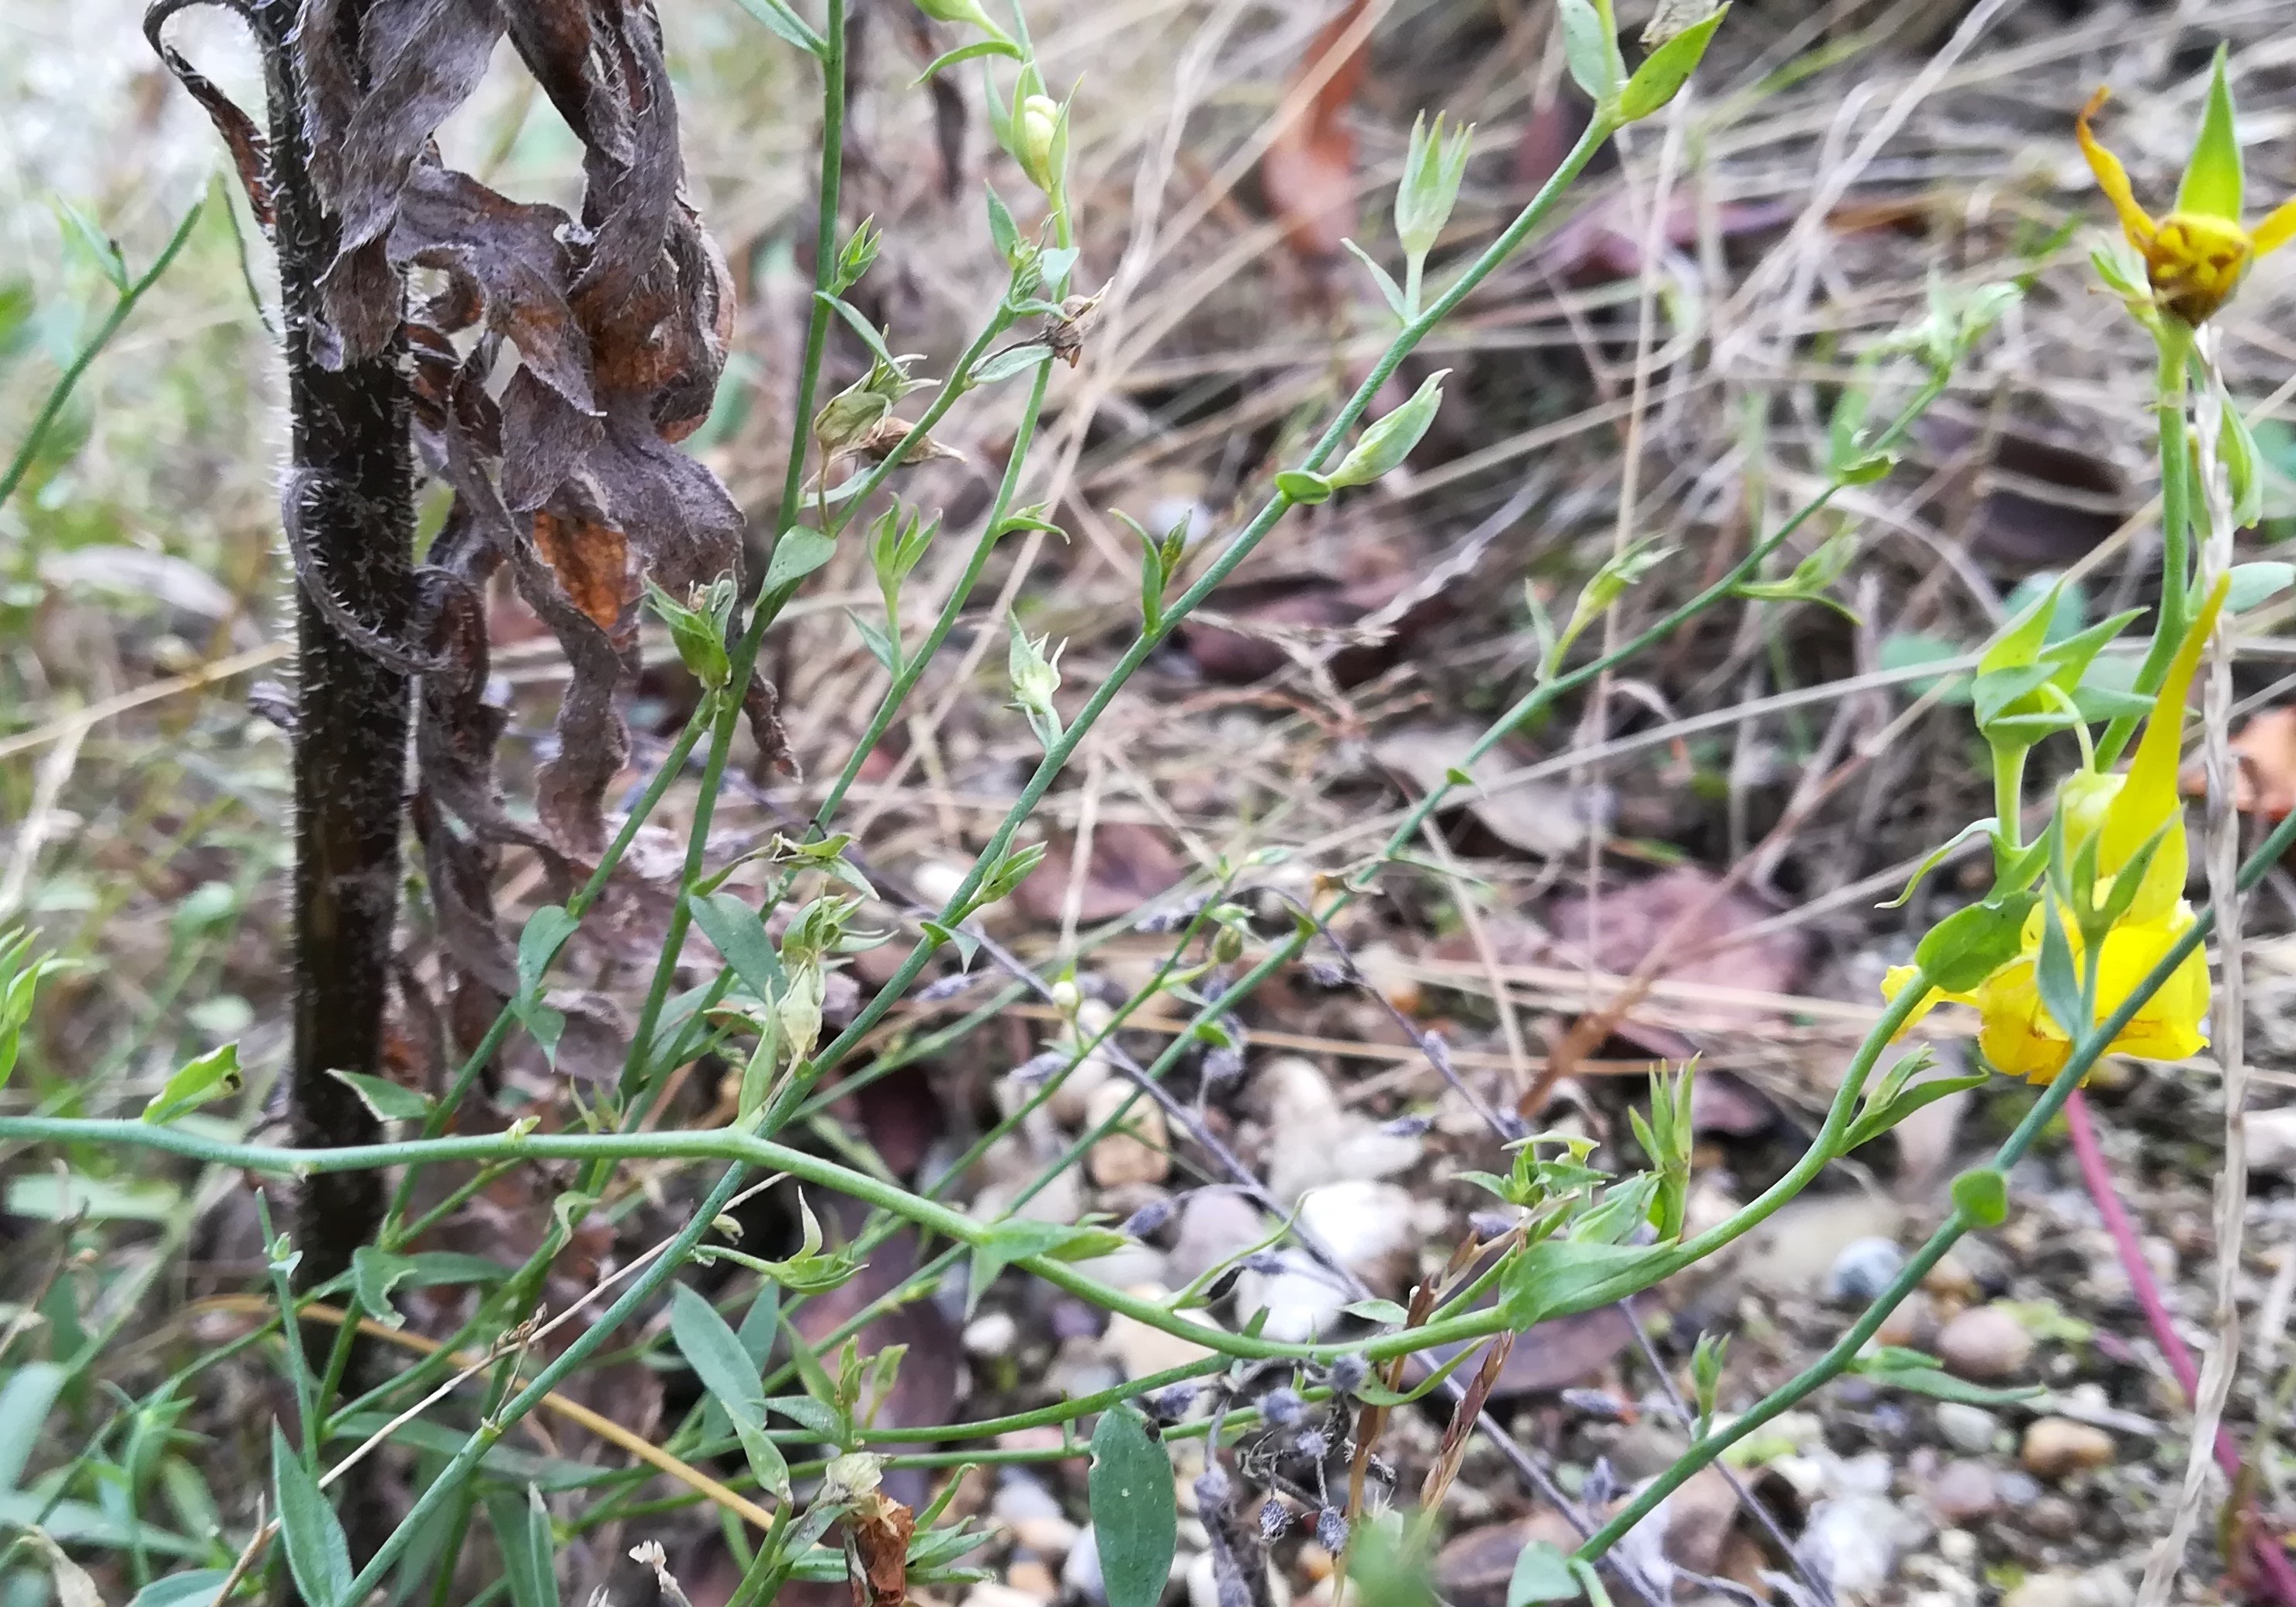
(455, 1474)
(76, 369)
(1548, 690)
(1270, 514)
(2170, 393)
(720, 1144)
(743, 658)
(2008, 801)
(913, 669)
(2084, 1056)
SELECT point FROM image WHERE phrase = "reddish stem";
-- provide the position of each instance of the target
(2277, 1571)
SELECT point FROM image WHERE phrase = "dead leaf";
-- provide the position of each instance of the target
(1308, 174)
(1474, 1568)
(1131, 864)
(2265, 784)
(1617, 935)
(1543, 818)
(250, 153)
(619, 315)
(877, 1548)
(1254, 628)
(1553, 1355)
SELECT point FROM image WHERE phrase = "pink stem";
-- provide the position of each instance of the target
(2270, 1557)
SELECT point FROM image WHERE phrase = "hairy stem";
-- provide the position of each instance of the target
(351, 457)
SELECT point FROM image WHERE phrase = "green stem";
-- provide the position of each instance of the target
(719, 1143)
(744, 656)
(2008, 802)
(913, 669)
(2171, 390)
(2084, 1056)
(1057, 755)
(452, 1478)
(76, 369)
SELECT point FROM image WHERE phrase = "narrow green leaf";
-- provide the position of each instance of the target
(731, 1377)
(1005, 364)
(1872, 1124)
(798, 553)
(212, 1075)
(390, 1101)
(1390, 291)
(1003, 232)
(100, 248)
(375, 1273)
(521, 1528)
(1591, 51)
(1542, 1573)
(970, 52)
(1664, 72)
(538, 942)
(1134, 1508)
(2254, 583)
(735, 931)
(1970, 944)
(1899, 1369)
(25, 1402)
(317, 1554)
(199, 1587)
(787, 24)
(871, 336)
(1557, 1275)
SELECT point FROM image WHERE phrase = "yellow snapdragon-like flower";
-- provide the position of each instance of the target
(2017, 1034)
(2196, 255)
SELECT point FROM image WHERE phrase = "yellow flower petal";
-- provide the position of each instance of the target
(1893, 983)
(2148, 799)
(2278, 229)
(2018, 1038)
(2112, 178)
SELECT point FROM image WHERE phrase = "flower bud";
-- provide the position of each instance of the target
(960, 11)
(799, 1009)
(1035, 677)
(850, 415)
(1040, 140)
(1432, 168)
(1389, 441)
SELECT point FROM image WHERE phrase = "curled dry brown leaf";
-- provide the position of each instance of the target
(618, 318)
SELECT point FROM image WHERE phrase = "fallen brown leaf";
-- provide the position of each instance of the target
(1131, 864)
(2265, 784)
(1309, 175)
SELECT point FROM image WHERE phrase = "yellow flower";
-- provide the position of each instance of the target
(2122, 813)
(2197, 255)
(2018, 1035)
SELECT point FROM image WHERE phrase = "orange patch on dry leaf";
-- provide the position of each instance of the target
(591, 563)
